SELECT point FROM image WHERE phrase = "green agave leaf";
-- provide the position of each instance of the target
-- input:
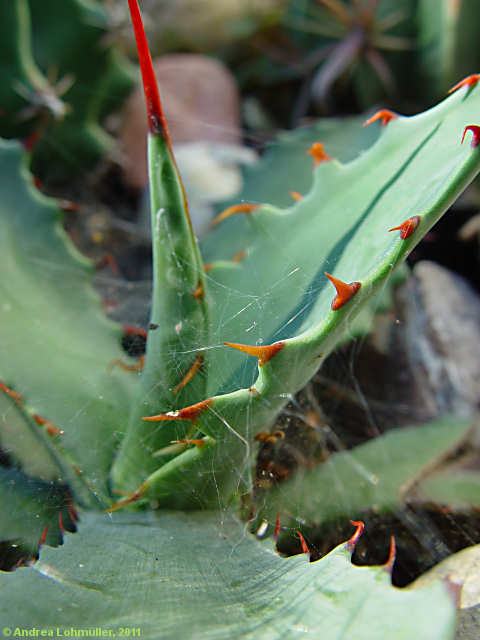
(155, 577)
(56, 344)
(278, 294)
(373, 476)
(273, 176)
(29, 506)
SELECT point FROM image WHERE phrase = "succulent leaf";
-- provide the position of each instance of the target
(231, 587)
(56, 343)
(278, 292)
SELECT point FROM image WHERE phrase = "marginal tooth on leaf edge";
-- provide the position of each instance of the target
(246, 207)
(16, 397)
(385, 115)
(470, 81)
(276, 533)
(388, 566)
(190, 413)
(51, 428)
(407, 227)
(44, 537)
(350, 544)
(305, 548)
(318, 154)
(344, 291)
(197, 363)
(475, 129)
(263, 353)
(133, 497)
(128, 367)
(295, 195)
(132, 330)
(239, 256)
(199, 291)
(198, 442)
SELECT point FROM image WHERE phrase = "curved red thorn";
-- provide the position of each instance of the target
(44, 537)
(295, 195)
(16, 397)
(108, 260)
(197, 363)
(199, 292)
(354, 539)
(133, 497)
(388, 566)
(60, 522)
(475, 129)
(305, 548)
(469, 81)
(30, 142)
(239, 256)
(128, 367)
(52, 429)
(245, 207)
(407, 227)
(263, 353)
(385, 115)
(276, 533)
(131, 330)
(156, 120)
(318, 153)
(344, 291)
(198, 442)
(190, 413)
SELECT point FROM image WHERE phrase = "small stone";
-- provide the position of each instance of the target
(200, 101)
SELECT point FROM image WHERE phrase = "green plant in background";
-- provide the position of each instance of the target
(359, 52)
(75, 433)
(60, 79)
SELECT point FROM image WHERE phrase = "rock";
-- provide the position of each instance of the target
(201, 103)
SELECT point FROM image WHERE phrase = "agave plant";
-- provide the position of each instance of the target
(235, 330)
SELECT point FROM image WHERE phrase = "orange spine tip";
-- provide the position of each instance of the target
(407, 227)
(263, 353)
(385, 115)
(344, 291)
(72, 513)
(133, 497)
(198, 442)
(305, 548)
(128, 367)
(475, 129)
(44, 536)
(239, 256)
(245, 207)
(131, 330)
(156, 119)
(358, 532)
(190, 413)
(197, 363)
(469, 81)
(276, 533)
(318, 153)
(388, 566)
(16, 397)
(52, 429)
(199, 292)
(60, 522)
(108, 260)
(295, 195)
